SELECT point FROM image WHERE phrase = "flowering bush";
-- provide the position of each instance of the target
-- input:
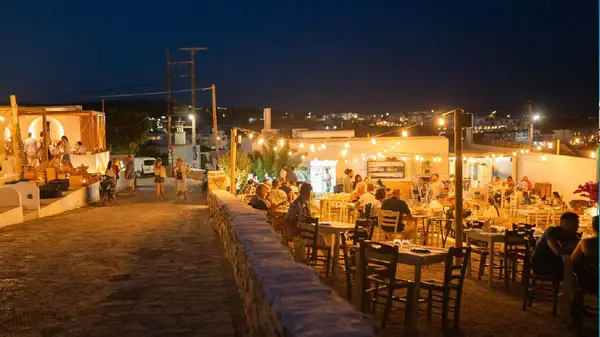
(589, 190)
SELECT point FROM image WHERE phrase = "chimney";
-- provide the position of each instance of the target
(267, 118)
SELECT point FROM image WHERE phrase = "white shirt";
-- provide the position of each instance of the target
(366, 198)
(375, 207)
(436, 188)
(30, 146)
(491, 213)
(282, 175)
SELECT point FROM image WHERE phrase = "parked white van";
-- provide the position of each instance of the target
(144, 167)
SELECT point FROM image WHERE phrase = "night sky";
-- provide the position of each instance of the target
(311, 55)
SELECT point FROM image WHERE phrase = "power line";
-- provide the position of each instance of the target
(153, 93)
(84, 93)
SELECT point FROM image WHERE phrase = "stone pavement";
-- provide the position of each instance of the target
(140, 267)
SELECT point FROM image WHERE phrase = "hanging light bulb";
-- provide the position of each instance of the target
(282, 142)
(362, 154)
(344, 152)
(420, 158)
(493, 155)
(261, 140)
(275, 148)
(385, 150)
(323, 146)
(312, 147)
(514, 153)
(364, 158)
(302, 157)
(441, 121)
(290, 153)
(347, 145)
(251, 135)
(539, 147)
(417, 157)
(522, 151)
(379, 154)
(355, 160)
(373, 141)
(346, 161)
(527, 151)
(404, 159)
(464, 158)
(302, 145)
(404, 134)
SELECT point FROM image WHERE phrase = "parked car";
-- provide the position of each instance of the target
(144, 167)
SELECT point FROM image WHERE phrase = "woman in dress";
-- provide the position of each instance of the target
(181, 171)
(160, 173)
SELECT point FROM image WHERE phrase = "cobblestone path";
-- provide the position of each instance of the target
(137, 268)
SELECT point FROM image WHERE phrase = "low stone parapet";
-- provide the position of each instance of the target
(281, 297)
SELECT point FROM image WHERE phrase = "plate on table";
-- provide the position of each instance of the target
(420, 250)
(326, 224)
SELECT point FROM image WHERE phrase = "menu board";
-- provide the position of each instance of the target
(386, 170)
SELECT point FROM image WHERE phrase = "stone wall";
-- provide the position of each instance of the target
(281, 297)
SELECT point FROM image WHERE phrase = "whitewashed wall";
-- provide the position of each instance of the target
(563, 172)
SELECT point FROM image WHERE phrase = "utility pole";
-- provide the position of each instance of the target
(530, 108)
(233, 154)
(458, 176)
(169, 111)
(192, 51)
(214, 117)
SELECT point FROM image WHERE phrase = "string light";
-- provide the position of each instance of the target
(362, 154)
(346, 145)
(346, 161)
(373, 141)
(323, 146)
(275, 148)
(290, 153)
(312, 147)
(593, 155)
(420, 158)
(302, 145)
(251, 135)
(379, 154)
(527, 151)
(344, 152)
(354, 160)
(493, 155)
(261, 140)
(302, 157)
(404, 133)
(282, 142)
(522, 151)
(404, 159)
(441, 121)
(514, 153)
(417, 157)
(364, 158)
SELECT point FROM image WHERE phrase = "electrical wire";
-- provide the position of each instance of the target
(153, 93)
(85, 93)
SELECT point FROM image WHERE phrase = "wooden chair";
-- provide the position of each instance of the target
(378, 263)
(516, 250)
(387, 223)
(312, 247)
(349, 246)
(443, 291)
(580, 309)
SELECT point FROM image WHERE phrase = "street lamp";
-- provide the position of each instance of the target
(193, 119)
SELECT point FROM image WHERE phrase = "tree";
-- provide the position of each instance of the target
(243, 165)
(126, 130)
(270, 161)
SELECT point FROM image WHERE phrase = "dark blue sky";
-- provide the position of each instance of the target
(320, 55)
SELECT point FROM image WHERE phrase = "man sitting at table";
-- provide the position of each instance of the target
(368, 197)
(555, 242)
(437, 205)
(396, 205)
(277, 195)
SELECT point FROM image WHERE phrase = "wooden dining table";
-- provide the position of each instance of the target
(491, 239)
(409, 257)
(333, 229)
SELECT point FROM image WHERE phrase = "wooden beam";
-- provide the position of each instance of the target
(16, 135)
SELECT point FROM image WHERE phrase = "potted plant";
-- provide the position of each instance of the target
(589, 191)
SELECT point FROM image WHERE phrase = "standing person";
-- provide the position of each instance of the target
(130, 174)
(348, 185)
(181, 171)
(283, 173)
(291, 176)
(67, 145)
(111, 174)
(526, 183)
(327, 180)
(357, 180)
(160, 174)
(31, 149)
(436, 187)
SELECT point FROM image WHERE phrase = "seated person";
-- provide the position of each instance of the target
(376, 204)
(555, 242)
(492, 211)
(298, 213)
(395, 204)
(368, 197)
(260, 199)
(437, 205)
(585, 261)
(293, 187)
(277, 194)
(361, 188)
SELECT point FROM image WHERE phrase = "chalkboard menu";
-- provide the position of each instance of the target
(386, 170)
